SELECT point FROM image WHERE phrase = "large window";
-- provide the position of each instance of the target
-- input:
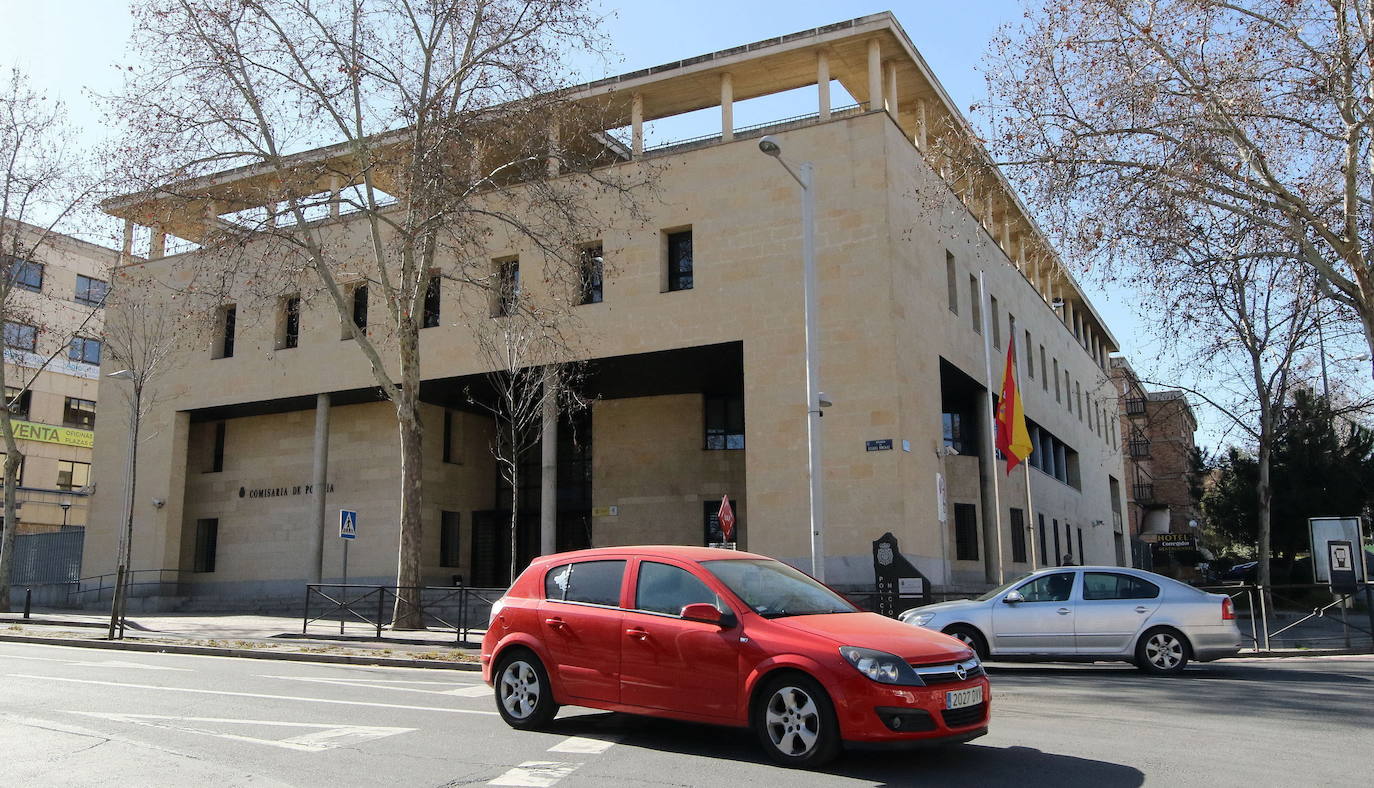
(591, 582)
(26, 274)
(207, 540)
(73, 475)
(965, 532)
(84, 350)
(680, 260)
(79, 413)
(91, 291)
(662, 588)
(18, 402)
(724, 419)
(593, 270)
(449, 542)
(21, 336)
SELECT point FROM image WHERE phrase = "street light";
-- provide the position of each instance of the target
(126, 541)
(815, 399)
(65, 506)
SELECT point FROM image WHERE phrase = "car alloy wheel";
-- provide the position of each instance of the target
(1162, 651)
(793, 721)
(523, 695)
(519, 689)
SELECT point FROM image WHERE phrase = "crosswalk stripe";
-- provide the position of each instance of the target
(536, 774)
(583, 745)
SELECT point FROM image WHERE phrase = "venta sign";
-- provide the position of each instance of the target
(281, 492)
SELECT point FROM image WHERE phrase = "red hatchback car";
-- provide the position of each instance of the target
(729, 638)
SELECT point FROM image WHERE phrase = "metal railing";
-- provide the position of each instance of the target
(1306, 604)
(751, 130)
(1144, 493)
(1135, 406)
(137, 578)
(462, 610)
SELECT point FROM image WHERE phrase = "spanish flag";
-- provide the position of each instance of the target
(1012, 438)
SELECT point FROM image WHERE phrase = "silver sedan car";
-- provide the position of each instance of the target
(1091, 613)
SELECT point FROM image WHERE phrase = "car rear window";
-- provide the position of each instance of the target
(593, 582)
(1110, 585)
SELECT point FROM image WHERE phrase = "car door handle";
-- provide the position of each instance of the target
(1141, 609)
(1063, 611)
(637, 633)
(554, 623)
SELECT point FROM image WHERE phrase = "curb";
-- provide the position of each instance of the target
(214, 651)
(1324, 652)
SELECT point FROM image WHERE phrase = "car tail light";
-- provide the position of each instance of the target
(1228, 610)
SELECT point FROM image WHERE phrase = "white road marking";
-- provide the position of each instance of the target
(583, 745)
(536, 774)
(255, 660)
(254, 695)
(325, 737)
(466, 691)
(109, 663)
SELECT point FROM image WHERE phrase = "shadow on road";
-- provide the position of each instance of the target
(970, 764)
(1213, 670)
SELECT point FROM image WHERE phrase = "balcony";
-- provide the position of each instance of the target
(1143, 493)
(1135, 406)
(1139, 448)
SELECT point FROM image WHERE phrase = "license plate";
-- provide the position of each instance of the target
(958, 699)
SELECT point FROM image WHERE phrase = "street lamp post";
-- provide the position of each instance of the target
(815, 399)
(126, 548)
(66, 505)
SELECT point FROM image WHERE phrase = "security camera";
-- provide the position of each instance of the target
(769, 145)
(158, 503)
(823, 399)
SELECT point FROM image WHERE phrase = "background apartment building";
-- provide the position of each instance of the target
(695, 336)
(53, 347)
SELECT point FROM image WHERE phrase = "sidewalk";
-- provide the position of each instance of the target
(264, 637)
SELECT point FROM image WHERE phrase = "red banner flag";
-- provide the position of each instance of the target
(1013, 439)
(727, 519)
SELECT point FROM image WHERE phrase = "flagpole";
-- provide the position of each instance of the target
(1032, 529)
(989, 443)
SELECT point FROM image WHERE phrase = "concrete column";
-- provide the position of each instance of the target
(553, 162)
(1006, 231)
(1021, 255)
(987, 212)
(319, 486)
(211, 220)
(157, 247)
(823, 84)
(727, 107)
(875, 75)
(126, 251)
(637, 125)
(334, 189)
(548, 467)
(922, 135)
(890, 91)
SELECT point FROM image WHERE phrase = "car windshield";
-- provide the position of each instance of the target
(1002, 588)
(774, 589)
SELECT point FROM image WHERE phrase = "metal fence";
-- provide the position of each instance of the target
(462, 610)
(1301, 615)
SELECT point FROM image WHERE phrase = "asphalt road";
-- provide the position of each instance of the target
(84, 717)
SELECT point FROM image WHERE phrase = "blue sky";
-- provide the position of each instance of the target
(69, 46)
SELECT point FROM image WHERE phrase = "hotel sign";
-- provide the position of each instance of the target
(46, 433)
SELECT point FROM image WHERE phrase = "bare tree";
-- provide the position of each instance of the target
(43, 185)
(456, 142)
(141, 338)
(1258, 109)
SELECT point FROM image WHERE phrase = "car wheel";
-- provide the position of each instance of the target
(1162, 652)
(969, 637)
(795, 722)
(523, 695)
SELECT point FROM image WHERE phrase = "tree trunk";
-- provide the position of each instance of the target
(11, 523)
(1264, 496)
(407, 614)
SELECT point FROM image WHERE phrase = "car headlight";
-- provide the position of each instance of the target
(881, 666)
(919, 619)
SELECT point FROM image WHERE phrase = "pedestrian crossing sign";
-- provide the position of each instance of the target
(348, 524)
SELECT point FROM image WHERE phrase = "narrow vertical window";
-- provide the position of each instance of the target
(1058, 556)
(432, 303)
(1040, 531)
(507, 287)
(449, 544)
(975, 309)
(680, 261)
(1018, 536)
(1030, 357)
(290, 333)
(1082, 558)
(217, 451)
(965, 532)
(952, 282)
(227, 326)
(360, 307)
(1078, 398)
(207, 540)
(1044, 371)
(592, 268)
(1068, 403)
(996, 317)
(1056, 381)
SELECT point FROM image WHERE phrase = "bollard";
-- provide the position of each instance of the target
(28, 602)
(381, 599)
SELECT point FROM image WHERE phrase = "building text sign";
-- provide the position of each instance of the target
(46, 433)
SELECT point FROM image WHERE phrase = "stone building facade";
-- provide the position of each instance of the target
(698, 391)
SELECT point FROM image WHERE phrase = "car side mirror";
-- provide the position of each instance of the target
(1013, 597)
(707, 613)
